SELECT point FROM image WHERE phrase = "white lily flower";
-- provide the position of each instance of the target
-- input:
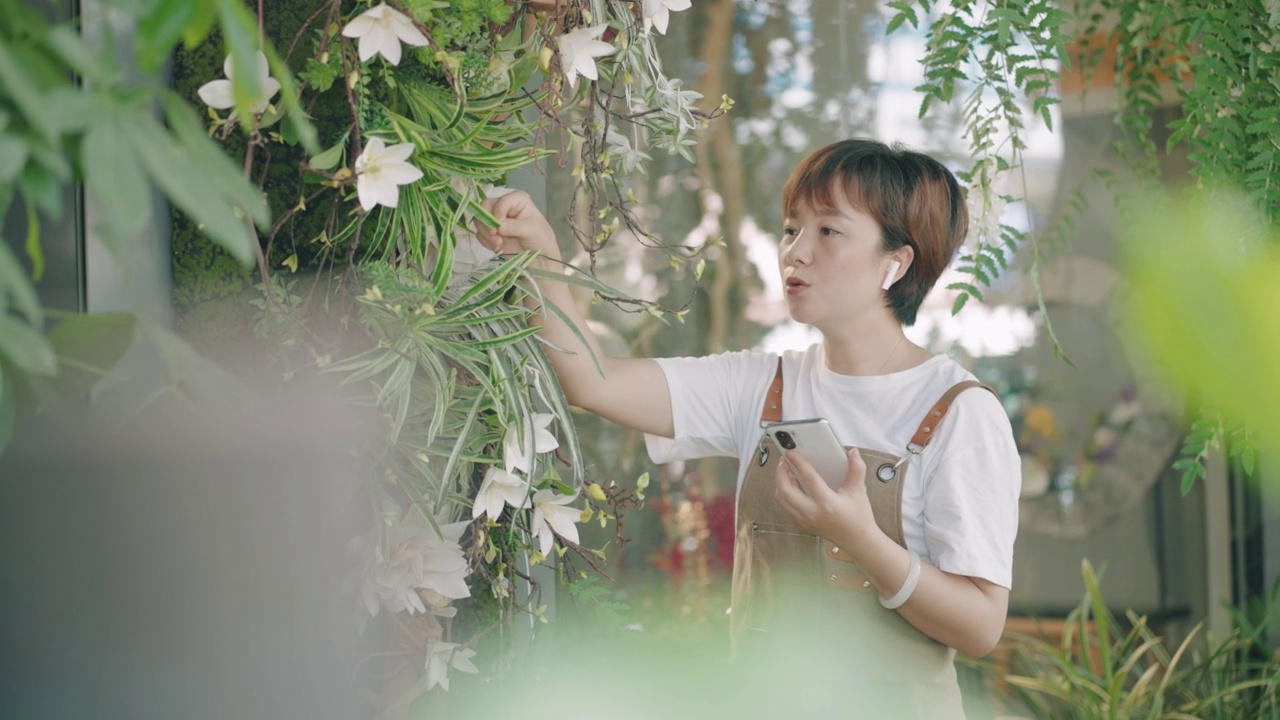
(498, 489)
(380, 171)
(415, 559)
(658, 12)
(551, 514)
(220, 94)
(579, 50)
(442, 655)
(381, 29)
(521, 443)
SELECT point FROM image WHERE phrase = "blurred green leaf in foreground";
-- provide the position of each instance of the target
(1205, 303)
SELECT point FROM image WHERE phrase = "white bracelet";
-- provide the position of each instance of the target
(908, 585)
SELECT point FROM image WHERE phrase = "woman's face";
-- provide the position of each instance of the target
(832, 264)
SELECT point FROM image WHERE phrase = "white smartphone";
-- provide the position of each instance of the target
(816, 442)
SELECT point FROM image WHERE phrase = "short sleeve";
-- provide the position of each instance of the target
(713, 403)
(971, 491)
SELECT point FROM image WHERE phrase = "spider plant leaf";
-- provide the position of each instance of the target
(1177, 656)
(430, 517)
(460, 445)
(476, 311)
(418, 100)
(480, 373)
(503, 340)
(445, 243)
(1134, 657)
(1101, 621)
(396, 393)
(1041, 686)
(364, 366)
(446, 382)
(513, 314)
(481, 214)
(407, 230)
(578, 278)
(555, 310)
(503, 276)
(1138, 693)
(494, 162)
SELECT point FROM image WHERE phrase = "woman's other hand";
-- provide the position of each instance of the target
(966, 613)
(842, 515)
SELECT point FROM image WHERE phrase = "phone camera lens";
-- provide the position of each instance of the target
(784, 439)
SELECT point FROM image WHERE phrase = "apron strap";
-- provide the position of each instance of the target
(772, 409)
(938, 412)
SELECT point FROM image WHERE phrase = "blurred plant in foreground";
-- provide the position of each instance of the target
(1106, 667)
(1204, 302)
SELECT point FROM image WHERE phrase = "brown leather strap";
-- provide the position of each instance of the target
(772, 410)
(934, 418)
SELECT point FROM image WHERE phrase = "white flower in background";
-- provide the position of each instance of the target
(657, 12)
(498, 489)
(380, 171)
(416, 558)
(441, 656)
(220, 94)
(620, 146)
(579, 50)
(525, 439)
(381, 29)
(550, 513)
(986, 204)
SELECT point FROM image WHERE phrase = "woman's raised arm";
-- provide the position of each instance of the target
(631, 391)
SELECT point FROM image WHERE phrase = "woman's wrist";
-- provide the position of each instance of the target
(865, 540)
(908, 587)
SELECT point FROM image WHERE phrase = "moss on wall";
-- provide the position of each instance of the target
(212, 292)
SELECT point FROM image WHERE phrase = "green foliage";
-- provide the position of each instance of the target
(88, 346)
(1204, 300)
(1003, 56)
(1218, 62)
(587, 592)
(105, 133)
(461, 29)
(1204, 436)
(440, 352)
(1105, 668)
(1208, 433)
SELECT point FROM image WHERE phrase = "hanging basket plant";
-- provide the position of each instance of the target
(422, 108)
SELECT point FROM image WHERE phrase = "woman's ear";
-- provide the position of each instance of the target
(899, 262)
(891, 274)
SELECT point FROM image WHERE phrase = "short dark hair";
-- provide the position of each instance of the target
(914, 198)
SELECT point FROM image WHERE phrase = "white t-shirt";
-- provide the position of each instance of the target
(959, 499)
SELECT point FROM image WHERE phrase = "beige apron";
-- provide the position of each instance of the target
(802, 612)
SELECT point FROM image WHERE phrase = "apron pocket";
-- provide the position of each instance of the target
(780, 591)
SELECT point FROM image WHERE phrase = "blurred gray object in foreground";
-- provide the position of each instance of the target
(183, 568)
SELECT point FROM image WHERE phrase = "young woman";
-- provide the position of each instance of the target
(889, 570)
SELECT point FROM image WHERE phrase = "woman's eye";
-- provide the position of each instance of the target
(789, 231)
(830, 231)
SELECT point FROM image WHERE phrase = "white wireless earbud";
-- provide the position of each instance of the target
(888, 278)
